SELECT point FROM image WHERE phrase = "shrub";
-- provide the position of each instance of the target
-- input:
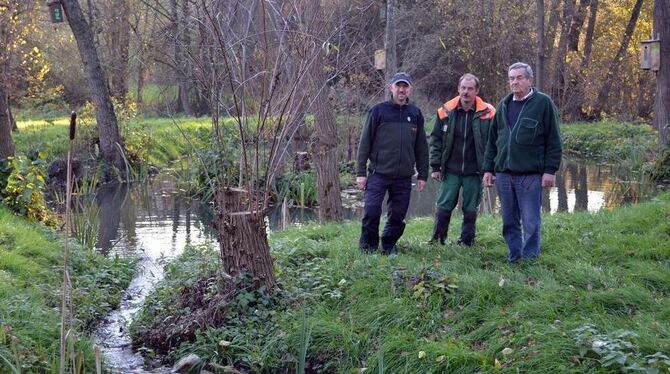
(24, 187)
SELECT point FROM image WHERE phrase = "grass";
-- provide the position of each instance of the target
(448, 309)
(159, 141)
(30, 280)
(611, 141)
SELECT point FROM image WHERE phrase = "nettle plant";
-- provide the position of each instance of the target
(618, 348)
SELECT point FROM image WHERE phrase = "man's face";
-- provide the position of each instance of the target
(400, 91)
(467, 90)
(518, 83)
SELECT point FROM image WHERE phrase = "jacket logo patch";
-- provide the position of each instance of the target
(445, 128)
(409, 119)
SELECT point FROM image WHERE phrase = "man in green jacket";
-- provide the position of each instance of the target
(524, 151)
(457, 145)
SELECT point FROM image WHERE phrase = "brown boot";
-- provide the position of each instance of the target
(441, 226)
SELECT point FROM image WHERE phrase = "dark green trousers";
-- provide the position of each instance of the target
(447, 196)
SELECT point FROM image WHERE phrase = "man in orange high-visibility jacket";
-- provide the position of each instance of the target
(457, 145)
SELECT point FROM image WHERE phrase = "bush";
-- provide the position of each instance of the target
(23, 190)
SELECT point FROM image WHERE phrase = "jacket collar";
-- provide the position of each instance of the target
(391, 102)
(452, 104)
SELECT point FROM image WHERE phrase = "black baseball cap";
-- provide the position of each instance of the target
(401, 77)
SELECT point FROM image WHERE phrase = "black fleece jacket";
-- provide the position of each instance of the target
(394, 141)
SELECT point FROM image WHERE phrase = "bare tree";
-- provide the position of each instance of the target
(108, 130)
(253, 71)
(390, 40)
(613, 69)
(119, 44)
(324, 141)
(541, 58)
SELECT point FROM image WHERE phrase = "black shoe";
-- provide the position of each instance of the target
(368, 250)
(393, 251)
(463, 243)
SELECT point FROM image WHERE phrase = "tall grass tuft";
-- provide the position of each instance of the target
(305, 336)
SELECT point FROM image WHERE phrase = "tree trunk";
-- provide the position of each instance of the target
(6, 143)
(662, 101)
(243, 241)
(324, 151)
(120, 43)
(324, 138)
(390, 41)
(180, 38)
(613, 70)
(550, 38)
(560, 65)
(540, 58)
(108, 130)
(571, 104)
(577, 111)
(12, 120)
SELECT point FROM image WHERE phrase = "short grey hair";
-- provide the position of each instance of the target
(527, 70)
(469, 76)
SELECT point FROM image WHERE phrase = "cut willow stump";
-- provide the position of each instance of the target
(243, 240)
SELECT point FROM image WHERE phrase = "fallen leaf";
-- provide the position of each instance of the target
(422, 354)
(498, 364)
(439, 359)
(507, 351)
(225, 343)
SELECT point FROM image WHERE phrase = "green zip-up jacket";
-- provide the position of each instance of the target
(442, 136)
(394, 141)
(532, 146)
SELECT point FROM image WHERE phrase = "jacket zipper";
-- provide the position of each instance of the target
(465, 138)
(397, 170)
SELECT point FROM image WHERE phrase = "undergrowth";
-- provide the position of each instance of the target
(435, 309)
(30, 279)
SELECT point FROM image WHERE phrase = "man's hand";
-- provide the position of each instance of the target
(361, 182)
(436, 175)
(488, 179)
(420, 185)
(548, 180)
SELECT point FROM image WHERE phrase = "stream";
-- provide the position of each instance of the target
(150, 221)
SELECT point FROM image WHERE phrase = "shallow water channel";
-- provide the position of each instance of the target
(150, 221)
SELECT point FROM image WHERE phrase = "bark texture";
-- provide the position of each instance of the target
(613, 70)
(6, 143)
(108, 130)
(243, 240)
(662, 101)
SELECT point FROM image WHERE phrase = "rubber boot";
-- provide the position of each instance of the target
(468, 229)
(441, 226)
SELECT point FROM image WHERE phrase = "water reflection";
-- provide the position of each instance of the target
(580, 186)
(150, 222)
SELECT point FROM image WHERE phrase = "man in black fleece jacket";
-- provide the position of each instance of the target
(394, 142)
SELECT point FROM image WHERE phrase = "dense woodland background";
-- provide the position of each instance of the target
(160, 54)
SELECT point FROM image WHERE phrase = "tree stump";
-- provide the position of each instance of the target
(243, 241)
